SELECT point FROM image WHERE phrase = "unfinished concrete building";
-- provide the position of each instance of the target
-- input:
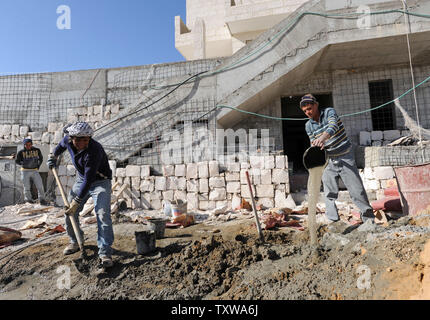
(248, 77)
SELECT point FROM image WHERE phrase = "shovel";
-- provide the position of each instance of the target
(72, 218)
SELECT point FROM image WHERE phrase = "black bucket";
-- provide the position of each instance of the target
(314, 157)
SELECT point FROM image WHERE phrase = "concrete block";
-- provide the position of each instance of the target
(233, 187)
(112, 166)
(147, 185)
(365, 138)
(280, 162)
(192, 201)
(213, 169)
(245, 165)
(120, 172)
(284, 201)
(203, 169)
(266, 176)
(180, 195)
(168, 195)
(46, 137)
(371, 185)
(168, 170)
(135, 183)
(368, 173)
(52, 127)
(15, 130)
(217, 194)
(160, 183)
(269, 162)
(193, 185)
(182, 184)
(132, 171)
(23, 131)
(233, 167)
(391, 135)
(156, 204)
(35, 136)
(232, 176)
(70, 182)
(376, 135)
(172, 183)
(265, 191)
(255, 173)
(180, 170)
(216, 182)
(256, 162)
(383, 173)
(192, 171)
(203, 205)
(145, 200)
(266, 202)
(203, 185)
(280, 176)
(244, 191)
(236, 201)
(58, 135)
(145, 171)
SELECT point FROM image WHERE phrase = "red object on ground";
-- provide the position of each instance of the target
(393, 191)
(387, 204)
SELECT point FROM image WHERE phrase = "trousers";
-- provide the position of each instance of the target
(26, 177)
(344, 167)
(100, 192)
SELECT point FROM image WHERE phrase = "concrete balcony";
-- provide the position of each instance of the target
(246, 16)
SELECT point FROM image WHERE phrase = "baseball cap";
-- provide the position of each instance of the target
(308, 98)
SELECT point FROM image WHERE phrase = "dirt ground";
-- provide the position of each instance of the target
(228, 261)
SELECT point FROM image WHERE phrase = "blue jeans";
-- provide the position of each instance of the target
(26, 176)
(100, 191)
(344, 167)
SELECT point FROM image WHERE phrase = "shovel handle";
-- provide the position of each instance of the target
(72, 218)
(60, 186)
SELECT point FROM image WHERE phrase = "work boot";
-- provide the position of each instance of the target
(44, 202)
(71, 248)
(106, 261)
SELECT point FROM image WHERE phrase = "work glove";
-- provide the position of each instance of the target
(74, 205)
(52, 162)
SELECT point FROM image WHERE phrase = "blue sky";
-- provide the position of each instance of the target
(103, 34)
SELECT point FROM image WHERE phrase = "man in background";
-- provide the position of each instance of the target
(30, 159)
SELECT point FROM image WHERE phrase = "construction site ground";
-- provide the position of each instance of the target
(221, 257)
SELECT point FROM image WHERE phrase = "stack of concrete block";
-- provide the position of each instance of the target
(381, 138)
(95, 115)
(14, 133)
(202, 185)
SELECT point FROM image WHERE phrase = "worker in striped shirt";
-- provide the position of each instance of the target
(326, 130)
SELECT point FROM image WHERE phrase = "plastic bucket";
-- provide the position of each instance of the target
(178, 208)
(314, 157)
(145, 241)
(158, 226)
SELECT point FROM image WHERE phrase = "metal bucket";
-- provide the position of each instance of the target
(414, 187)
(314, 157)
(145, 241)
(158, 226)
